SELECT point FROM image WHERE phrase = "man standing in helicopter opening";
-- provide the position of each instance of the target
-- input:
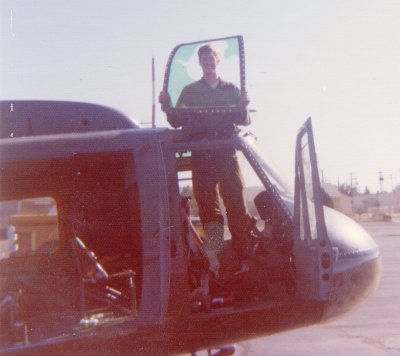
(215, 172)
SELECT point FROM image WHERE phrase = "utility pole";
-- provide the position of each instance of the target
(352, 179)
(381, 179)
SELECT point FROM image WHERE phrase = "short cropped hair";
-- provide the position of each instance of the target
(208, 48)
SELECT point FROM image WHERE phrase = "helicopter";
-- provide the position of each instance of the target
(108, 245)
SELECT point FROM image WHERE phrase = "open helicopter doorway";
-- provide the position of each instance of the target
(270, 278)
(74, 259)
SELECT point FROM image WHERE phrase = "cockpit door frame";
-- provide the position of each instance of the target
(313, 254)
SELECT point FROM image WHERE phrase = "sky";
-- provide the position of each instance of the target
(337, 62)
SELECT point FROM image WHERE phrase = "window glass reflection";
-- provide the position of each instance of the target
(185, 68)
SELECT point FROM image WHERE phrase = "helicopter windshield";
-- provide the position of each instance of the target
(269, 170)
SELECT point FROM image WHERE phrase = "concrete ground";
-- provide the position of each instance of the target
(371, 329)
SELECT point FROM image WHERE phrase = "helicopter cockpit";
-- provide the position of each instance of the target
(270, 206)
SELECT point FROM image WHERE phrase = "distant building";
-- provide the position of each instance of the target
(364, 203)
(339, 201)
(8, 208)
(378, 204)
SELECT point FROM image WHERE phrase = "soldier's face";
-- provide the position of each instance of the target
(209, 62)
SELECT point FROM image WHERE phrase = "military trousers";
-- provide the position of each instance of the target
(217, 174)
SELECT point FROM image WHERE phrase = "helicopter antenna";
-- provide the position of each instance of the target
(153, 105)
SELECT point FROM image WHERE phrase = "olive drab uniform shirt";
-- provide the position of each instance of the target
(201, 95)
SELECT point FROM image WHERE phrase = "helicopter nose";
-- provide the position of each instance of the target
(356, 270)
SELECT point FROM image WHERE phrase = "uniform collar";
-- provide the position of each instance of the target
(221, 82)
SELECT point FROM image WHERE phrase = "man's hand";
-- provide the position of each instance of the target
(242, 117)
(244, 99)
(163, 97)
(164, 100)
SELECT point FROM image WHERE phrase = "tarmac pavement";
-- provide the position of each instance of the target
(373, 328)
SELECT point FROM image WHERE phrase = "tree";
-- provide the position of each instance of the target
(347, 189)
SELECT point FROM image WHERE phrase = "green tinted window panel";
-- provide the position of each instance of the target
(183, 68)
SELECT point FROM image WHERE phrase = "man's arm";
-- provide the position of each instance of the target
(175, 120)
